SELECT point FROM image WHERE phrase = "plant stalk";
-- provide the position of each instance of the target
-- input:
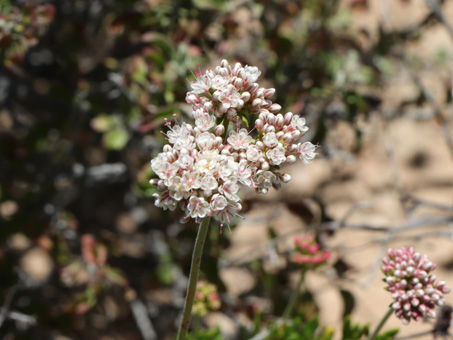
(193, 277)
(294, 296)
(373, 335)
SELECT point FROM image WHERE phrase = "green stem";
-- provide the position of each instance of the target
(294, 296)
(226, 123)
(373, 335)
(193, 278)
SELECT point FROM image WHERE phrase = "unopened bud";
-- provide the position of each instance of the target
(265, 165)
(245, 96)
(269, 92)
(274, 108)
(224, 63)
(269, 129)
(238, 82)
(286, 178)
(256, 102)
(219, 130)
(259, 92)
(288, 117)
(167, 148)
(291, 159)
(279, 135)
(154, 181)
(260, 145)
(271, 119)
(259, 124)
(208, 106)
(279, 122)
(237, 68)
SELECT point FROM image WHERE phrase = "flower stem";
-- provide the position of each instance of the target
(294, 296)
(373, 335)
(193, 278)
(226, 123)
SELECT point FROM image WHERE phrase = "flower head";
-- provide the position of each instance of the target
(414, 290)
(308, 252)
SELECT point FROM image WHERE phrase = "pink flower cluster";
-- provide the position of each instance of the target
(414, 289)
(206, 298)
(203, 165)
(309, 252)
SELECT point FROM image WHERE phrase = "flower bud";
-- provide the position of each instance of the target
(260, 145)
(256, 102)
(245, 96)
(259, 124)
(236, 69)
(279, 135)
(154, 181)
(269, 129)
(274, 108)
(265, 165)
(208, 106)
(238, 82)
(224, 63)
(271, 119)
(286, 178)
(219, 130)
(279, 121)
(259, 92)
(287, 138)
(269, 92)
(291, 159)
(167, 148)
(288, 117)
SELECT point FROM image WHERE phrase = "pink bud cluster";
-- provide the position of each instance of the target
(202, 166)
(414, 289)
(206, 298)
(308, 252)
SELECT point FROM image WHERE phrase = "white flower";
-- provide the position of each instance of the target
(218, 202)
(202, 84)
(270, 139)
(178, 131)
(228, 97)
(177, 190)
(253, 153)
(227, 214)
(198, 207)
(298, 123)
(207, 162)
(240, 139)
(244, 173)
(185, 161)
(157, 163)
(206, 140)
(185, 141)
(164, 201)
(190, 180)
(219, 82)
(264, 179)
(209, 184)
(230, 189)
(276, 155)
(250, 73)
(205, 121)
(306, 152)
(169, 170)
(227, 168)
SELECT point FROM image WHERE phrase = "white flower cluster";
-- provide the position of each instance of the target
(201, 167)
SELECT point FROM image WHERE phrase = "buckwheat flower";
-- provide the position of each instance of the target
(228, 97)
(270, 140)
(177, 189)
(276, 155)
(230, 189)
(253, 153)
(414, 290)
(308, 252)
(164, 201)
(209, 184)
(239, 139)
(205, 121)
(218, 202)
(206, 140)
(201, 84)
(306, 152)
(198, 207)
(227, 168)
(185, 161)
(227, 214)
(218, 82)
(250, 73)
(191, 180)
(299, 124)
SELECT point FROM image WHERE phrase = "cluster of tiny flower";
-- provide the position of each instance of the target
(202, 166)
(206, 298)
(413, 288)
(308, 252)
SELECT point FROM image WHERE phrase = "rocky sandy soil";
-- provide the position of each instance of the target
(404, 156)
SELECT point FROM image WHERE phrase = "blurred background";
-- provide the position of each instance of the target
(85, 86)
